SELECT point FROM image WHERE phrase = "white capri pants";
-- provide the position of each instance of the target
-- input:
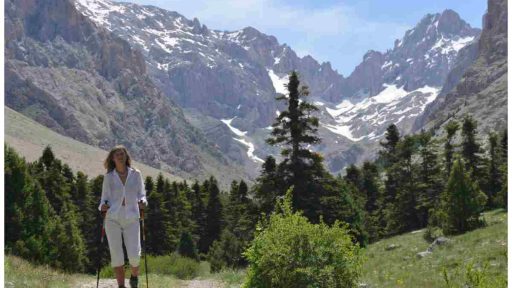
(115, 225)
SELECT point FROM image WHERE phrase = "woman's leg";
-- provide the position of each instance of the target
(115, 244)
(131, 233)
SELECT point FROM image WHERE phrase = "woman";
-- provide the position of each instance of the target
(122, 196)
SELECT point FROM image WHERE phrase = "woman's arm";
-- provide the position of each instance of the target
(104, 192)
(142, 191)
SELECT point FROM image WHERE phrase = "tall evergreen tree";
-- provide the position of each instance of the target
(402, 215)
(471, 148)
(170, 200)
(68, 245)
(430, 183)
(461, 201)
(158, 226)
(269, 185)
(28, 212)
(493, 177)
(95, 251)
(392, 137)
(187, 247)
(295, 129)
(370, 188)
(214, 216)
(451, 129)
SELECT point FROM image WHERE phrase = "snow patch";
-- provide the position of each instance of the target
(242, 139)
(233, 129)
(278, 82)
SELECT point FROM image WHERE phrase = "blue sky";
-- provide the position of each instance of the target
(336, 31)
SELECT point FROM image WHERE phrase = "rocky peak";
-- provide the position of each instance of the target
(423, 57)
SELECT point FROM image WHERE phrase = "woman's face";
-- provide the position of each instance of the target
(119, 157)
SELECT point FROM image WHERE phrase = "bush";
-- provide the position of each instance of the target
(226, 252)
(289, 251)
(187, 247)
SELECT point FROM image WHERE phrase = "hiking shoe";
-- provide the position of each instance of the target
(134, 281)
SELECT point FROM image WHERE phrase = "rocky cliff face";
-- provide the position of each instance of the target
(482, 89)
(226, 81)
(85, 82)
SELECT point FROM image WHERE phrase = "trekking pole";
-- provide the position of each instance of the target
(144, 244)
(101, 242)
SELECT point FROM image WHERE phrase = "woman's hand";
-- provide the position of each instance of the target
(142, 205)
(104, 207)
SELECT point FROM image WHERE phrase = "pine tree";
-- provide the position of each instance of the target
(48, 157)
(430, 183)
(170, 198)
(451, 129)
(392, 137)
(501, 198)
(353, 175)
(52, 179)
(95, 251)
(269, 186)
(461, 201)
(158, 226)
(68, 246)
(187, 246)
(225, 252)
(402, 215)
(238, 231)
(295, 129)
(493, 177)
(214, 215)
(198, 213)
(182, 207)
(339, 203)
(370, 188)
(471, 148)
(388, 156)
(28, 213)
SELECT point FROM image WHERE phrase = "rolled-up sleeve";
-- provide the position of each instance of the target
(104, 191)
(142, 190)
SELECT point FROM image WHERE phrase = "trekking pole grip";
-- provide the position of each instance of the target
(141, 210)
(104, 212)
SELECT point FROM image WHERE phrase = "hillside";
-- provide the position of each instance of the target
(29, 138)
(399, 267)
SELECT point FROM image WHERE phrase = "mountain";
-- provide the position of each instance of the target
(87, 83)
(482, 87)
(226, 81)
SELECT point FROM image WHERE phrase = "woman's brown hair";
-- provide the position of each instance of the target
(109, 162)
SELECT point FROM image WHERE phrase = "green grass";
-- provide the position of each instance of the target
(482, 248)
(21, 273)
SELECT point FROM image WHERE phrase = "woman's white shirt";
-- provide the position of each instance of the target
(114, 191)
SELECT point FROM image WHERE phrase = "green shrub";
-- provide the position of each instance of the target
(289, 251)
(187, 247)
(226, 252)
